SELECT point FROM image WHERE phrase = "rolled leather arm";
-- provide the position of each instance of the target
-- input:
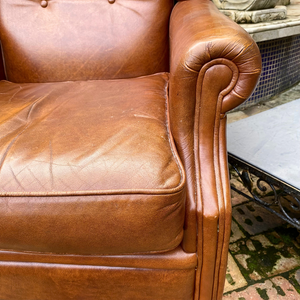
(199, 34)
(214, 66)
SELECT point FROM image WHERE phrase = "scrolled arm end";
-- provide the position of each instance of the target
(200, 34)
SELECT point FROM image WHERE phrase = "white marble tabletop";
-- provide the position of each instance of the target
(270, 141)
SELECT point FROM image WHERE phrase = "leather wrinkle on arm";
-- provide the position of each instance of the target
(241, 52)
(229, 51)
(237, 94)
(185, 65)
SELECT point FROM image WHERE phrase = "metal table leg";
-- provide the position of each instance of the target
(286, 198)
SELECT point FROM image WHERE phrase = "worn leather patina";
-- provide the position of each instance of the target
(113, 164)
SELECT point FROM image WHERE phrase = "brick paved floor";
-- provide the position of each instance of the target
(264, 251)
(264, 255)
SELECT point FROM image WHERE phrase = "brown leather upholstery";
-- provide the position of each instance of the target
(113, 172)
(2, 74)
(169, 275)
(81, 40)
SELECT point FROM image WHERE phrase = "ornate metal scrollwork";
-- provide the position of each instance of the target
(285, 201)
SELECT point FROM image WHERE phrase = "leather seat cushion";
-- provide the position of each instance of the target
(89, 167)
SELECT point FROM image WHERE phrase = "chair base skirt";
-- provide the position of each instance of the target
(47, 281)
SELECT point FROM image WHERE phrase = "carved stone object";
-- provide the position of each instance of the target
(245, 4)
(284, 2)
(252, 11)
(257, 16)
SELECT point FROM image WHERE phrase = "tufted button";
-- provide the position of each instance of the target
(111, 1)
(44, 3)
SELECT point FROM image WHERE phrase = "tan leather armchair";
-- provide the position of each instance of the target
(113, 164)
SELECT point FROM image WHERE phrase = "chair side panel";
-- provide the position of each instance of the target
(59, 40)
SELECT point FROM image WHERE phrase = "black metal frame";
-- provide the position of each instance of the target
(286, 201)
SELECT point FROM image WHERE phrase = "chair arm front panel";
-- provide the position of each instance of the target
(215, 66)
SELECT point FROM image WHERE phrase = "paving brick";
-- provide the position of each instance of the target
(234, 247)
(255, 219)
(265, 241)
(250, 245)
(277, 288)
(284, 264)
(265, 255)
(289, 292)
(242, 259)
(234, 278)
(236, 198)
(236, 233)
(297, 276)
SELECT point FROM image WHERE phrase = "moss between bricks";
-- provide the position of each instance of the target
(263, 293)
(279, 290)
(263, 259)
(293, 281)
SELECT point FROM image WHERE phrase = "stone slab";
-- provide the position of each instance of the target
(276, 32)
(277, 29)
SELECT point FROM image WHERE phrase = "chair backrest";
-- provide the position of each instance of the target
(59, 40)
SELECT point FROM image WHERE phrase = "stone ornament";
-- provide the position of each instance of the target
(284, 2)
(245, 4)
(253, 11)
(257, 16)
